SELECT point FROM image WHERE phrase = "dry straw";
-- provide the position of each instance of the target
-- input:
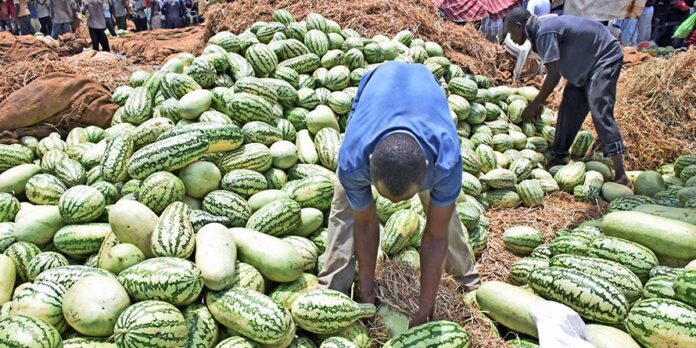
(462, 43)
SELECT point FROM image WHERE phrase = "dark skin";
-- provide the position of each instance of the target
(533, 111)
(433, 251)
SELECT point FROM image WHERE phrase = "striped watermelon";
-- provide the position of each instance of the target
(314, 192)
(261, 58)
(44, 189)
(169, 279)
(662, 323)
(522, 239)
(43, 262)
(328, 142)
(201, 326)
(167, 155)
(445, 334)
(325, 311)
(277, 218)
(337, 342)
(661, 286)
(221, 137)
(246, 276)
(253, 156)
(27, 332)
(173, 235)
(251, 314)
(159, 190)
(308, 251)
(21, 254)
(304, 63)
(153, 324)
(42, 301)
(592, 297)
(616, 274)
(229, 205)
(71, 172)
(285, 294)
(69, 275)
(520, 270)
(261, 132)
(639, 259)
(244, 182)
(685, 288)
(81, 241)
(399, 230)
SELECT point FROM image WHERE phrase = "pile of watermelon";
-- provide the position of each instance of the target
(631, 274)
(197, 219)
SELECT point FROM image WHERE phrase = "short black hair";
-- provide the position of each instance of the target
(398, 163)
(518, 15)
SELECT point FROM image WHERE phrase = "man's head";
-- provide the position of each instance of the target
(397, 166)
(515, 24)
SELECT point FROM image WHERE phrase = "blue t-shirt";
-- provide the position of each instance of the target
(400, 97)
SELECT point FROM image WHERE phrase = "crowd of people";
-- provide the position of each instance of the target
(655, 25)
(57, 17)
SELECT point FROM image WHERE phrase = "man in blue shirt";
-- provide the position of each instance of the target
(401, 139)
(590, 58)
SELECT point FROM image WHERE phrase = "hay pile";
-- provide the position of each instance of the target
(656, 110)
(399, 285)
(462, 43)
(560, 210)
(155, 46)
(18, 74)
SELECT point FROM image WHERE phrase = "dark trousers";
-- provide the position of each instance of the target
(6, 25)
(110, 26)
(122, 23)
(597, 97)
(140, 23)
(25, 27)
(46, 25)
(99, 38)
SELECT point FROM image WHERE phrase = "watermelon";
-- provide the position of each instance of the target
(152, 323)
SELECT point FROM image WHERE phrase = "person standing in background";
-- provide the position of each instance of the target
(139, 16)
(174, 13)
(155, 14)
(492, 29)
(538, 7)
(44, 16)
(24, 17)
(108, 10)
(62, 12)
(644, 30)
(120, 13)
(96, 23)
(6, 15)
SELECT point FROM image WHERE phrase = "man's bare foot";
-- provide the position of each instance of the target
(623, 180)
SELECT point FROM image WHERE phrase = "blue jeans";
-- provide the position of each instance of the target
(60, 29)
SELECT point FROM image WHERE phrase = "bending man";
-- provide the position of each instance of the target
(585, 53)
(401, 139)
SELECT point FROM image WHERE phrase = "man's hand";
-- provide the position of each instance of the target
(366, 236)
(432, 255)
(532, 112)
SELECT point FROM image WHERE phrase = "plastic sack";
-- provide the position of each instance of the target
(684, 30)
(559, 326)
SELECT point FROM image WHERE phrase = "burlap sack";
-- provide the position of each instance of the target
(55, 102)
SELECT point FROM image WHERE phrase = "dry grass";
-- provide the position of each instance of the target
(398, 286)
(560, 210)
(462, 43)
(656, 110)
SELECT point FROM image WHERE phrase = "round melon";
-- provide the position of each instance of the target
(194, 103)
(92, 305)
(200, 178)
(649, 183)
(283, 154)
(81, 203)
